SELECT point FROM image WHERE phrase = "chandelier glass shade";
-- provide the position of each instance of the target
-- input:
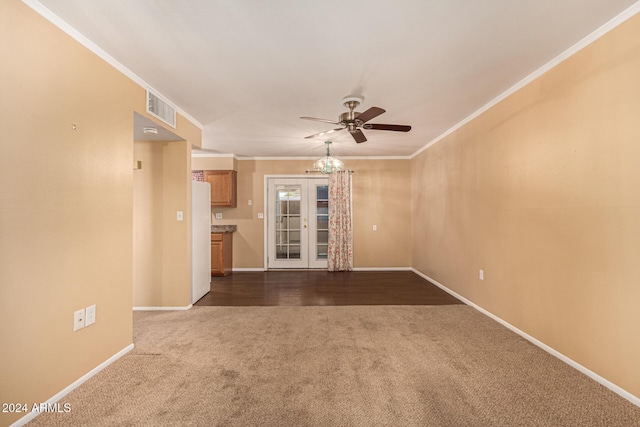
(328, 164)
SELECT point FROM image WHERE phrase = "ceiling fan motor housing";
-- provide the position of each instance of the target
(349, 119)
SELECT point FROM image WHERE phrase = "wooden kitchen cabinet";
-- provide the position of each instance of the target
(221, 254)
(224, 186)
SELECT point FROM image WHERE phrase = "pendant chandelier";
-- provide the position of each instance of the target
(328, 164)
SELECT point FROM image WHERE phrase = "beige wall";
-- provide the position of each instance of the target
(65, 206)
(161, 246)
(381, 196)
(541, 192)
(187, 131)
(214, 163)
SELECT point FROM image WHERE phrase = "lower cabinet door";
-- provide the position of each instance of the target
(217, 261)
(221, 254)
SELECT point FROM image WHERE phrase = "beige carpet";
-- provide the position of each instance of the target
(337, 366)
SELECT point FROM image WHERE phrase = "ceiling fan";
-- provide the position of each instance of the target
(354, 121)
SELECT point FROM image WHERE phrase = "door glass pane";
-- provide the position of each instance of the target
(281, 237)
(321, 251)
(322, 207)
(322, 192)
(287, 192)
(294, 223)
(281, 251)
(287, 236)
(294, 251)
(322, 222)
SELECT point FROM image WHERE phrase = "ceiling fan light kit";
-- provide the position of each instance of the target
(354, 121)
(328, 164)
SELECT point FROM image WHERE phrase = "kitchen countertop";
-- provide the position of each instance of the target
(223, 228)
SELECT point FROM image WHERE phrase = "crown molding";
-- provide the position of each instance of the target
(319, 156)
(84, 41)
(586, 41)
(215, 155)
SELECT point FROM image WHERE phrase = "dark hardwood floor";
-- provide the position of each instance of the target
(319, 287)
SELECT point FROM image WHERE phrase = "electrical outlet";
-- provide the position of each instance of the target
(218, 215)
(250, 202)
(179, 216)
(78, 319)
(375, 227)
(481, 275)
(90, 318)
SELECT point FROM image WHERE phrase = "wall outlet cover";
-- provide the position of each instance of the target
(78, 319)
(218, 215)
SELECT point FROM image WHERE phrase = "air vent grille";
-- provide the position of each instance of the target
(161, 109)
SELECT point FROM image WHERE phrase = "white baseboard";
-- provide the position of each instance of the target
(24, 420)
(608, 384)
(249, 269)
(162, 308)
(382, 269)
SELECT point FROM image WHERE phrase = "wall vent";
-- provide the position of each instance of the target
(161, 109)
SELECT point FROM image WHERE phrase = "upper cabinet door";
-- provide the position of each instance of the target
(223, 187)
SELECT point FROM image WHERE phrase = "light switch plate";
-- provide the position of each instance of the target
(179, 216)
(218, 215)
(90, 318)
(260, 215)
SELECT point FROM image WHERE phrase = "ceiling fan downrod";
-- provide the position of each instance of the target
(349, 117)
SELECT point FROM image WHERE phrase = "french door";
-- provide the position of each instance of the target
(297, 222)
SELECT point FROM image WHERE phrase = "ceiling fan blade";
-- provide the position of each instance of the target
(378, 126)
(333, 122)
(370, 114)
(358, 136)
(323, 133)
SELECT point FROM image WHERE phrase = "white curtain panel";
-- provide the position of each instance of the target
(340, 256)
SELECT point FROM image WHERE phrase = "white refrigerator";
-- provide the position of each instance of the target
(200, 240)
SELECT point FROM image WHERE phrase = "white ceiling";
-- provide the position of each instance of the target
(248, 69)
